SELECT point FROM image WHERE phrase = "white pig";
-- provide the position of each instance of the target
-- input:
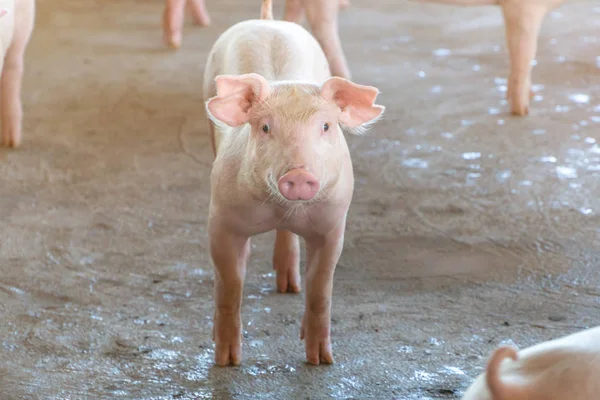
(522, 19)
(563, 369)
(16, 25)
(282, 163)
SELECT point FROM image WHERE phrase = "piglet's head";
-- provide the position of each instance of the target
(294, 144)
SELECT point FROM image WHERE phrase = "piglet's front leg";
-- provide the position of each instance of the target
(229, 253)
(322, 256)
(523, 21)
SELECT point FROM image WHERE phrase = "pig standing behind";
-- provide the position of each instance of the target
(322, 17)
(523, 19)
(16, 26)
(563, 369)
(282, 163)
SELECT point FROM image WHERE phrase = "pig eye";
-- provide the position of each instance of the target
(266, 128)
(325, 127)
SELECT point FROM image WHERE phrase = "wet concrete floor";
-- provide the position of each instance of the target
(469, 227)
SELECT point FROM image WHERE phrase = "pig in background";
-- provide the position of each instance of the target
(322, 16)
(522, 19)
(567, 368)
(16, 25)
(282, 163)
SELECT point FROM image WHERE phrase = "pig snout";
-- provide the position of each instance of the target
(298, 184)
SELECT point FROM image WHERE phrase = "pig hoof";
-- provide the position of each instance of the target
(293, 288)
(228, 354)
(319, 352)
(318, 348)
(521, 112)
(11, 141)
(286, 261)
(288, 288)
(288, 277)
(227, 334)
(521, 109)
(174, 41)
(202, 20)
(284, 285)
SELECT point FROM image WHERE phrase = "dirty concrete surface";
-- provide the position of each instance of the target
(469, 227)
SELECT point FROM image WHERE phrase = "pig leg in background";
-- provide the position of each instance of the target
(322, 256)
(12, 75)
(174, 15)
(286, 261)
(523, 22)
(199, 12)
(294, 10)
(229, 253)
(322, 16)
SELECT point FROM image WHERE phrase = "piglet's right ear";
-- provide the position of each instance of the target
(236, 94)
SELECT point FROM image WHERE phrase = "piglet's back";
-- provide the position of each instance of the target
(277, 50)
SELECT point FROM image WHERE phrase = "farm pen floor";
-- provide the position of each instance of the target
(469, 227)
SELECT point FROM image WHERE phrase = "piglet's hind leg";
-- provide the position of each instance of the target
(286, 261)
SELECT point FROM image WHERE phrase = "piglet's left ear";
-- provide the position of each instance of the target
(355, 101)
